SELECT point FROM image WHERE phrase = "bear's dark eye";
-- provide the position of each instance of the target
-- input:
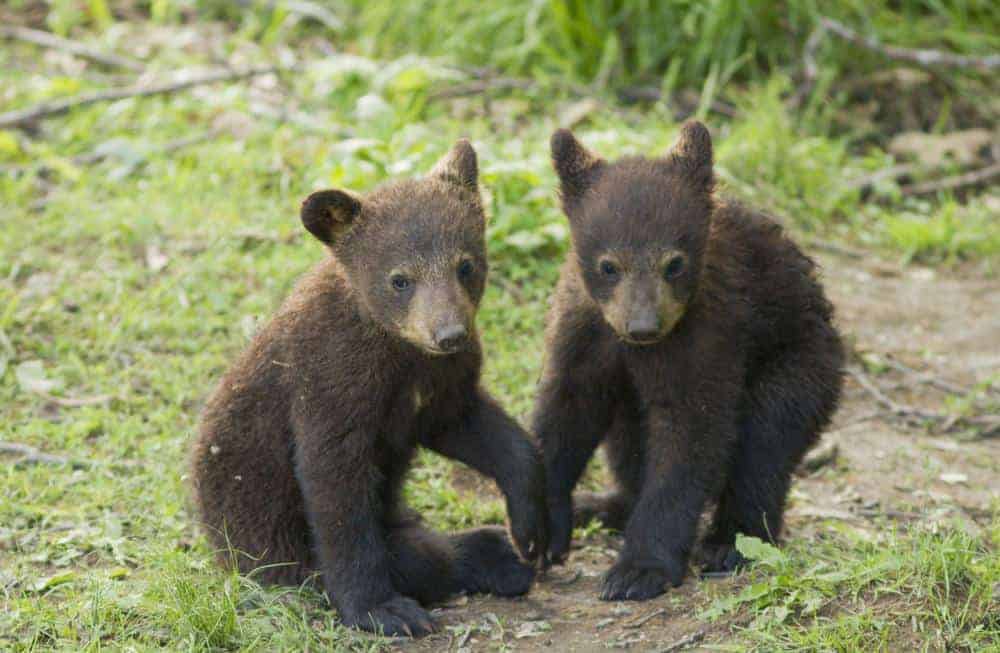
(399, 282)
(674, 267)
(465, 269)
(608, 268)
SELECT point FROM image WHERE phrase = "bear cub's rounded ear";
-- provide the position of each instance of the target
(573, 163)
(693, 152)
(328, 214)
(459, 166)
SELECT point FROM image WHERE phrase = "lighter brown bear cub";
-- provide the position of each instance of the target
(303, 448)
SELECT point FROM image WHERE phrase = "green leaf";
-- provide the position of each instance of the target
(753, 548)
(47, 583)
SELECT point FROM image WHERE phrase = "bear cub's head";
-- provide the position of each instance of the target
(639, 228)
(414, 251)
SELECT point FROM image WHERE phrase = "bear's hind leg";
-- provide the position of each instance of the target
(790, 403)
(430, 566)
(422, 563)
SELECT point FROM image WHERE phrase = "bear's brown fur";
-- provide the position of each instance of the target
(692, 337)
(303, 447)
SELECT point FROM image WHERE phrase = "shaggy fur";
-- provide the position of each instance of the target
(304, 446)
(691, 336)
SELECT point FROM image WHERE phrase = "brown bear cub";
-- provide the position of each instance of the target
(303, 448)
(691, 337)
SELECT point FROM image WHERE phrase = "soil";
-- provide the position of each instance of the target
(938, 323)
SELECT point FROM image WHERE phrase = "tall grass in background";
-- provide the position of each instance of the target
(675, 42)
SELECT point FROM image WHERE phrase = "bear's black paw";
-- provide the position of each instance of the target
(491, 566)
(628, 581)
(398, 617)
(721, 559)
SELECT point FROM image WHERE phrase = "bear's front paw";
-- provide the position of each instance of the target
(631, 581)
(529, 527)
(560, 530)
(398, 617)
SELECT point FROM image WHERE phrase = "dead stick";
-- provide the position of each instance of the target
(642, 622)
(76, 402)
(58, 107)
(31, 456)
(892, 172)
(478, 87)
(684, 642)
(956, 181)
(921, 57)
(989, 424)
(90, 158)
(49, 40)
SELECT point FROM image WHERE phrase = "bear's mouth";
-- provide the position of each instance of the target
(640, 343)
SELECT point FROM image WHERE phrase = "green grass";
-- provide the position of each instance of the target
(926, 589)
(140, 277)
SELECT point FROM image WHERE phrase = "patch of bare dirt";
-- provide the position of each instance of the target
(942, 327)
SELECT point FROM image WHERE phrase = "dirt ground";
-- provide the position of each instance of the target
(932, 321)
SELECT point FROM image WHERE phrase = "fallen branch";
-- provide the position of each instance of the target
(920, 57)
(892, 172)
(23, 117)
(77, 49)
(933, 380)
(956, 181)
(655, 94)
(684, 642)
(99, 154)
(987, 425)
(641, 622)
(29, 455)
(77, 402)
(479, 86)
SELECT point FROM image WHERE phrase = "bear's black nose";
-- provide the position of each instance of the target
(451, 338)
(643, 329)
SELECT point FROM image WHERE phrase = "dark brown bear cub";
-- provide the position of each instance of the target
(691, 337)
(303, 448)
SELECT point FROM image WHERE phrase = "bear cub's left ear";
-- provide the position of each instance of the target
(459, 166)
(693, 153)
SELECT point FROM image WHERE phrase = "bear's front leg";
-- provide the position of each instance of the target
(487, 439)
(570, 420)
(683, 468)
(340, 489)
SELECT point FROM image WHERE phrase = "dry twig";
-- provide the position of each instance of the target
(955, 181)
(639, 623)
(987, 425)
(684, 642)
(77, 49)
(921, 57)
(27, 116)
(29, 455)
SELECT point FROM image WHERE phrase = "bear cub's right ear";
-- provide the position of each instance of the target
(328, 214)
(576, 165)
